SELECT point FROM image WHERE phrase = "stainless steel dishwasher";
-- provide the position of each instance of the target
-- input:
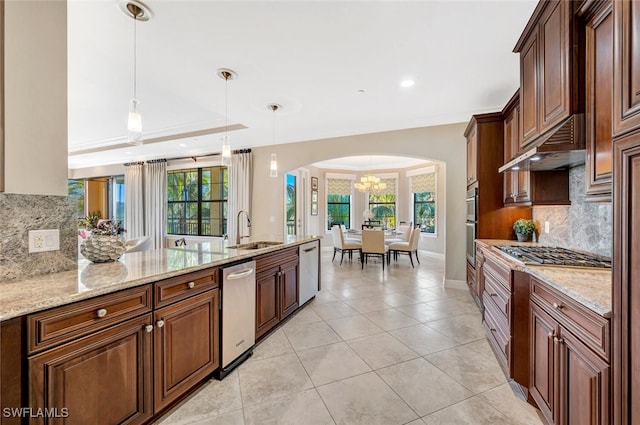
(238, 316)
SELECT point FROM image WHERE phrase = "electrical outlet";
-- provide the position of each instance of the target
(44, 240)
(546, 226)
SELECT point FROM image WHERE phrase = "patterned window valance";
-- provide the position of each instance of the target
(338, 187)
(390, 189)
(423, 183)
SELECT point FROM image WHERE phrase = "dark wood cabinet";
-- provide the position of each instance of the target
(104, 378)
(626, 279)
(543, 376)
(598, 17)
(570, 372)
(267, 302)
(276, 289)
(551, 68)
(626, 80)
(472, 156)
(516, 183)
(186, 346)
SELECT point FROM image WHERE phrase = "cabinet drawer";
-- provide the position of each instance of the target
(471, 277)
(72, 321)
(497, 295)
(498, 334)
(181, 287)
(500, 272)
(592, 328)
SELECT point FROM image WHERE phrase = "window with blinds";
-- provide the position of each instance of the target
(423, 187)
(338, 202)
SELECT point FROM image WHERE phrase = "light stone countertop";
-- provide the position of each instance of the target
(26, 296)
(590, 287)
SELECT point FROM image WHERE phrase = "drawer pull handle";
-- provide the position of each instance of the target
(493, 295)
(557, 306)
(493, 330)
(160, 323)
(148, 328)
(191, 285)
(102, 312)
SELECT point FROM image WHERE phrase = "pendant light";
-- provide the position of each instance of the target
(134, 121)
(226, 75)
(273, 168)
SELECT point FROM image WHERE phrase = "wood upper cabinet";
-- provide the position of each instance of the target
(276, 288)
(104, 378)
(550, 68)
(186, 346)
(472, 156)
(516, 183)
(626, 81)
(599, 94)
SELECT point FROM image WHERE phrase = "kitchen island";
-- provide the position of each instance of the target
(123, 342)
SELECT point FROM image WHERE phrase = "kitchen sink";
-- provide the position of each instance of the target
(256, 245)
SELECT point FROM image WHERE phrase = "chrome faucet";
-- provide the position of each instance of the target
(238, 237)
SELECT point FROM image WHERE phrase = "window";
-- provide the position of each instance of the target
(338, 210)
(291, 204)
(424, 211)
(383, 207)
(197, 201)
(116, 195)
(339, 201)
(77, 193)
(423, 187)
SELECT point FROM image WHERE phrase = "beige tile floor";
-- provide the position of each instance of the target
(372, 348)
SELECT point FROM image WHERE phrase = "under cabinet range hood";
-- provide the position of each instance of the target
(559, 148)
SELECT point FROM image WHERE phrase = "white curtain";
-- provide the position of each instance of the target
(240, 191)
(133, 200)
(155, 201)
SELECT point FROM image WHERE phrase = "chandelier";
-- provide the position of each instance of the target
(370, 183)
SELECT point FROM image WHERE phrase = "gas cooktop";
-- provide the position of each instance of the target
(546, 255)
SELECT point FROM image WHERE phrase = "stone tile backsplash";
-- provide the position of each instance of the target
(586, 226)
(20, 213)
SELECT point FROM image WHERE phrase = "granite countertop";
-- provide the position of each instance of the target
(137, 268)
(590, 287)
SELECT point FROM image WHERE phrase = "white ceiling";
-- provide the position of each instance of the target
(312, 57)
(370, 162)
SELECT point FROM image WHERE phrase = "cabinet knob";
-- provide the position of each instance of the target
(102, 312)
(191, 285)
(148, 328)
(557, 306)
(552, 334)
(558, 340)
(160, 323)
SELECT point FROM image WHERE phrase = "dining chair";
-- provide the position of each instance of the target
(373, 245)
(402, 235)
(339, 244)
(180, 242)
(142, 243)
(410, 247)
(345, 234)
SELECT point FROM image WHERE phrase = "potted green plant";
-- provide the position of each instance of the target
(523, 228)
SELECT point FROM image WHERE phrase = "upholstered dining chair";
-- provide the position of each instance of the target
(339, 244)
(373, 245)
(142, 243)
(410, 247)
(402, 235)
(347, 239)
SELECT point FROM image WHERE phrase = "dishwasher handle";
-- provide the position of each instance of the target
(310, 249)
(239, 275)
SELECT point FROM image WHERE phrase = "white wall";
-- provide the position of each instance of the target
(440, 143)
(36, 97)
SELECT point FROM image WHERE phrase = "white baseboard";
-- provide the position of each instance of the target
(457, 284)
(431, 254)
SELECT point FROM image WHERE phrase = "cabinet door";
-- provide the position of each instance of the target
(266, 301)
(186, 346)
(528, 91)
(472, 156)
(104, 378)
(626, 280)
(511, 146)
(599, 91)
(626, 95)
(584, 382)
(288, 288)
(553, 66)
(543, 376)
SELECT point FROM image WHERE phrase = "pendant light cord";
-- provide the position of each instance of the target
(135, 44)
(226, 104)
(273, 143)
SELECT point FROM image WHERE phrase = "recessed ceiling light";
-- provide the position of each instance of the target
(360, 91)
(128, 153)
(183, 145)
(407, 83)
